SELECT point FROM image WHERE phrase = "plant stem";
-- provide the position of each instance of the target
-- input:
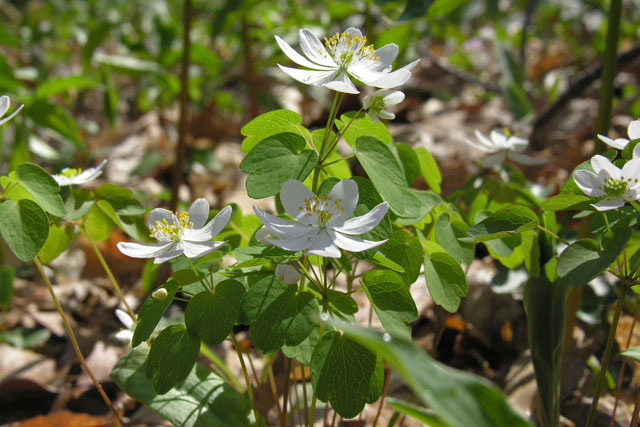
(183, 124)
(621, 374)
(107, 270)
(246, 378)
(385, 388)
(327, 132)
(74, 342)
(609, 65)
(220, 365)
(554, 235)
(607, 353)
(272, 384)
(340, 135)
(204, 283)
(285, 396)
(303, 380)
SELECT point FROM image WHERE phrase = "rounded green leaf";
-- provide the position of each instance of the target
(151, 312)
(172, 355)
(405, 251)
(42, 187)
(120, 198)
(275, 160)
(346, 374)
(445, 279)
(502, 223)
(24, 226)
(58, 241)
(271, 123)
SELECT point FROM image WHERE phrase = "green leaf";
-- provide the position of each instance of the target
(278, 314)
(58, 241)
(120, 198)
(383, 170)
(345, 374)
(42, 187)
(445, 279)
(302, 352)
(127, 64)
(415, 9)
(419, 413)
(53, 117)
(25, 338)
(151, 312)
(24, 226)
(457, 397)
(212, 316)
(447, 232)
(567, 201)
(392, 301)
(171, 357)
(505, 222)
(275, 160)
(418, 204)
(269, 124)
(6, 285)
(429, 169)
(409, 161)
(57, 85)
(583, 260)
(632, 353)
(98, 224)
(362, 126)
(405, 251)
(517, 100)
(78, 203)
(444, 7)
(202, 399)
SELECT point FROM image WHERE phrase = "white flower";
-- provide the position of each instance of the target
(287, 273)
(4, 106)
(69, 176)
(633, 130)
(263, 235)
(376, 104)
(184, 233)
(321, 223)
(343, 56)
(502, 146)
(608, 181)
(125, 335)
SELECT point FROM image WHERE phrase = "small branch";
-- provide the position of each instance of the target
(246, 378)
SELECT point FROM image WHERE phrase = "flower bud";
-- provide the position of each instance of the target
(160, 294)
(287, 273)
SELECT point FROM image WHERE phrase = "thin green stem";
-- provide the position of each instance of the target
(609, 65)
(635, 205)
(285, 396)
(74, 343)
(340, 135)
(607, 353)
(221, 366)
(246, 378)
(204, 282)
(554, 235)
(327, 132)
(107, 270)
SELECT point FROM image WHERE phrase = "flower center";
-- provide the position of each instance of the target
(615, 187)
(70, 172)
(343, 47)
(163, 231)
(376, 104)
(323, 207)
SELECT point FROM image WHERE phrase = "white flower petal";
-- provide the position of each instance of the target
(4, 104)
(351, 243)
(483, 141)
(283, 228)
(199, 212)
(636, 152)
(374, 117)
(631, 171)
(588, 182)
(158, 214)
(313, 48)
(364, 223)
(609, 203)
(600, 163)
(345, 192)
(294, 195)
(342, 83)
(6, 119)
(62, 180)
(382, 80)
(499, 139)
(618, 143)
(323, 246)
(391, 97)
(634, 129)
(124, 318)
(167, 256)
(198, 249)
(525, 159)
(298, 243)
(297, 58)
(139, 250)
(494, 159)
(517, 143)
(311, 77)
(214, 227)
(386, 114)
(124, 336)
(386, 55)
